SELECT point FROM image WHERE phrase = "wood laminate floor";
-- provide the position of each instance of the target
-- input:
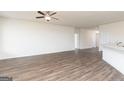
(80, 65)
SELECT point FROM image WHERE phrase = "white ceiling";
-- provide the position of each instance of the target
(71, 18)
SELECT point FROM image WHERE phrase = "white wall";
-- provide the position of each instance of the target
(87, 38)
(113, 32)
(24, 38)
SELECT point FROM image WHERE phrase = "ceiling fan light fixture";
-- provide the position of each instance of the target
(47, 15)
(47, 18)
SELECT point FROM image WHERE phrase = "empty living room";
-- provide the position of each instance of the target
(62, 45)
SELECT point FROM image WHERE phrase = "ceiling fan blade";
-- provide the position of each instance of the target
(55, 18)
(40, 17)
(41, 12)
(53, 14)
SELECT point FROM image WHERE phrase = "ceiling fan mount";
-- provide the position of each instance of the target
(47, 15)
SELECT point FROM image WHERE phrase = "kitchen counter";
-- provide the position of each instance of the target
(114, 55)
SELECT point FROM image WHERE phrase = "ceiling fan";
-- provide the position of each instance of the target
(47, 15)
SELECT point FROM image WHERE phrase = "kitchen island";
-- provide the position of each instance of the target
(114, 55)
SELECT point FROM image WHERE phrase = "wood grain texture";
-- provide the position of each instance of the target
(82, 65)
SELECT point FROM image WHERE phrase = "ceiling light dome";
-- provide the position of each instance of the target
(47, 18)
